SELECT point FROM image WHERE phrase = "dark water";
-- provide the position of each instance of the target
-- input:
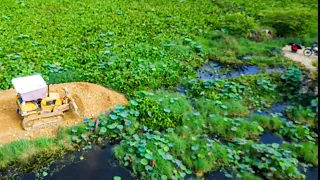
(275, 108)
(181, 89)
(312, 173)
(269, 138)
(97, 164)
(216, 175)
(212, 70)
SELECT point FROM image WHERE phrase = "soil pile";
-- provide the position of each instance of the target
(91, 99)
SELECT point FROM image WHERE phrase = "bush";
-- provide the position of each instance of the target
(270, 123)
(233, 128)
(177, 103)
(152, 115)
(302, 115)
(292, 80)
(198, 154)
(238, 23)
(307, 151)
(290, 22)
(230, 107)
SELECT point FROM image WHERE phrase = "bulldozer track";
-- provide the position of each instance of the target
(43, 120)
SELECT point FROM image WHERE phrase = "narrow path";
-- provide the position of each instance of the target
(300, 58)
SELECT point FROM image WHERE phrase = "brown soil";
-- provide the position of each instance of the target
(300, 57)
(91, 99)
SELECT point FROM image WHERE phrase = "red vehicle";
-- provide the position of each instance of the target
(295, 47)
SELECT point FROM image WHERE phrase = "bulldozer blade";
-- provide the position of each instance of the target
(75, 107)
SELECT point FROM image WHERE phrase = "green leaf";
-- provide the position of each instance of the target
(120, 127)
(127, 123)
(113, 116)
(142, 149)
(116, 178)
(148, 156)
(124, 114)
(86, 120)
(168, 157)
(144, 161)
(103, 130)
(161, 152)
(224, 107)
(148, 167)
(133, 102)
(164, 177)
(74, 130)
(111, 126)
(166, 148)
(91, 124)
(260, 128)
(194, 148)
(44, 174)
(196, 113)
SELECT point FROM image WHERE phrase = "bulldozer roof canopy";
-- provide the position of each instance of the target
(28, 84)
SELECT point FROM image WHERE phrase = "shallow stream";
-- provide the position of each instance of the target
(97, 164)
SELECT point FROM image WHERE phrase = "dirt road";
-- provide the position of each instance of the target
(91, 99)
(300, 58)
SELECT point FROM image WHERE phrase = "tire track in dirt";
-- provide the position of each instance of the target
(91, 99)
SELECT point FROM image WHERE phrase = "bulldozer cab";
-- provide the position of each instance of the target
(30, 88)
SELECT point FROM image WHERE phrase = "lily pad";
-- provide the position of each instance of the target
(111, 126)
(133, 102)
(127, 122)
(148, 156)
(103, 130)
(124, 114)
(86, 120)
(148, 168)
(196, 113)
(120, 127)
(194, 148)
(144, 161)
(113, 116)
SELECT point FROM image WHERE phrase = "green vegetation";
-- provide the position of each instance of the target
(315, 64)
(145, 49)
(255, 91)
(232, 108)
(174, 102)
(302, 115)
(23, 151)
(270, 123)
(307, 151)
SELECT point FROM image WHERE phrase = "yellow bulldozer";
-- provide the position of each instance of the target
(37, 106)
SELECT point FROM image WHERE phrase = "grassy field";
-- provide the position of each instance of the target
(145, 49)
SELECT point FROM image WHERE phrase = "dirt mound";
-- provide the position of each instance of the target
(300, 57)
(91, 99)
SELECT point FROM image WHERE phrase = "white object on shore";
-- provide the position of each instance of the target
(30, 88)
